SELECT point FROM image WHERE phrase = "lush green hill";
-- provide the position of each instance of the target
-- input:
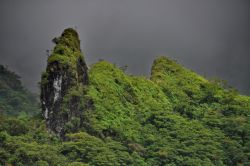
(174, 118)
(213, 103)
(14, 99)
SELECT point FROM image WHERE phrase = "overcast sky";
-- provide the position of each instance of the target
(211, 37)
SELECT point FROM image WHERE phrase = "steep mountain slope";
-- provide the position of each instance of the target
(14, 99)
(136, 111)
(63, 83)
(216, 105)
(174, 118)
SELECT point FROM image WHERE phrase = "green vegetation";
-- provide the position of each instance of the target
(14, 99)
(67, 50)
(174, 118)
(213, 103)
(66, 57)
(67, 72)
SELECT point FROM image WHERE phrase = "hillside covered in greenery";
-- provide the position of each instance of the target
(14, 98)
(176, 117)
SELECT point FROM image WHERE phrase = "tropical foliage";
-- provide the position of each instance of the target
(175, 118)
(14, 99)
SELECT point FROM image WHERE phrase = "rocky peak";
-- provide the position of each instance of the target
(63, 84)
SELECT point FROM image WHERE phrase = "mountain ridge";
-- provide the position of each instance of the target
(176, 117)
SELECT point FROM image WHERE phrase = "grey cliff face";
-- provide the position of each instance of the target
(63, 84)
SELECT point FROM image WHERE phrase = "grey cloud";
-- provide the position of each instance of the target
(211, 37)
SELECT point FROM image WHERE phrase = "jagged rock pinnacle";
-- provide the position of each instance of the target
(62, 85)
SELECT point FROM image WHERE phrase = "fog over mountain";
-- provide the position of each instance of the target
(210, 37)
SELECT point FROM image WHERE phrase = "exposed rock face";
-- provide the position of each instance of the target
(63, 84)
